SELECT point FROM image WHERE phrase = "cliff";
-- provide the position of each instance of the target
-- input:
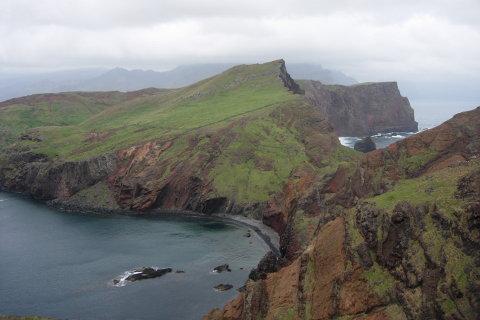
(362, 109)
(393, 235)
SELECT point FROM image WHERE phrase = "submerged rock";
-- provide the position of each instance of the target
(222, 268)
(365, 145)
(223, 287)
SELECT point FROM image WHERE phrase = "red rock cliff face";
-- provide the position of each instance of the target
(364, 109)
(360, 261)
(316, 285)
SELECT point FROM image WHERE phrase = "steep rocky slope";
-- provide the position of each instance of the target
(394, 235)
(362, 109)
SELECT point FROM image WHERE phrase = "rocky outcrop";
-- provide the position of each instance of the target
(222, 268)
(270, 263)
(363, 109)
(223, 287)
(288, 82)
(147, 273)
(36, 175)
(365, 145)
(140, 274)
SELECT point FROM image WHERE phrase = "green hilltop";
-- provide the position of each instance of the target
(244, 130)
(162, 115)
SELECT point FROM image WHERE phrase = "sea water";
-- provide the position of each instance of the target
(61, 265)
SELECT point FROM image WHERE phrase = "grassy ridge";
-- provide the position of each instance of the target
(63, 109)
(166, 115)
(242, 132)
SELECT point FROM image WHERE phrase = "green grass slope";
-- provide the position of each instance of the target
(243, 133)
(61, 109)
(167, 114)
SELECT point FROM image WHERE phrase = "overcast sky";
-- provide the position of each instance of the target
(411, 41)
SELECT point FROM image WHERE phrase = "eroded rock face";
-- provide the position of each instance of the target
(362, 109)
(369, 262)
(316, 285)
(36, 175)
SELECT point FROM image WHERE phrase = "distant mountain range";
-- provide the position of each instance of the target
(120, 79)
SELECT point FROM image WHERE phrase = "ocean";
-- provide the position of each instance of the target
(61, 265)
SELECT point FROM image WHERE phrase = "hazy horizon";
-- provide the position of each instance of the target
(430, 48)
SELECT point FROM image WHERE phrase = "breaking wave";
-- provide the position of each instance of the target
(121, 280)
(381, 140)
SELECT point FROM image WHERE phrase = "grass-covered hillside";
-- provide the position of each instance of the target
(224, 143)
(19, 115)
(164, 115)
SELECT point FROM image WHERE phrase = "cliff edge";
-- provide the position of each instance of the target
(362, 109)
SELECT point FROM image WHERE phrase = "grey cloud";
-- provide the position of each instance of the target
(372, 40)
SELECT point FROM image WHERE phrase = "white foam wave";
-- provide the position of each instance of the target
(348, 141)
(121, 281)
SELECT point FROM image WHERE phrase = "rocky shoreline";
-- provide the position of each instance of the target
(267, 234)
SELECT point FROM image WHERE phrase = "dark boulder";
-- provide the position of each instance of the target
(365, 145)
(147, 273)
(222, 268)
(223, 287)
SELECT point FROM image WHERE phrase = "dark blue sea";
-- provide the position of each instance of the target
(61, 265)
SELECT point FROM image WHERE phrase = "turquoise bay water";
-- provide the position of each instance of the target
(61, 265)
